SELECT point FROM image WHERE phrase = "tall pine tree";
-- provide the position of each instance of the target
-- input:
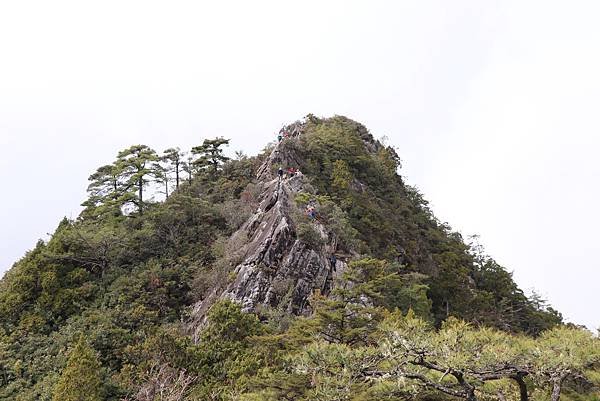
(210, 155)
(174, 158)
(135, 164)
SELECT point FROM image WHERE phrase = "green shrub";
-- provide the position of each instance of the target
(310, 236)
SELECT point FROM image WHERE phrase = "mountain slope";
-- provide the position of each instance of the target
(365, 208)
(234, 230)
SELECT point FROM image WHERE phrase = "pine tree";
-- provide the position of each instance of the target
(135, 166)
(104, 189)
(81, 378)
(161, 177)
(210, 155)
(105, 181)
(174, 157)
(188, 167)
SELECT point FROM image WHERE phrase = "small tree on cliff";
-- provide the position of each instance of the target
(135, 166)
(104, 190)
(210, 155)
(104, 183)
(81, 379)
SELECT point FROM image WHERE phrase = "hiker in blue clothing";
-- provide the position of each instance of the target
(332, 261)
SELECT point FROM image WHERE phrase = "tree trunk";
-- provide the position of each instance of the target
(556, 388)
(177, 175)
(140, 195)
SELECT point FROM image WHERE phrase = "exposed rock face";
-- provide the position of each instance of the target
(276, 268)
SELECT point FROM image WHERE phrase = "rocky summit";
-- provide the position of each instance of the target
(311, 271)
(277, 269)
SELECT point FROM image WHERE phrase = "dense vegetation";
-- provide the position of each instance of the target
(103, 305)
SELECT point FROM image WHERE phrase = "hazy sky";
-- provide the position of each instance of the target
(493, 106)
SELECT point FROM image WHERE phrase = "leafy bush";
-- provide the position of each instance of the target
(310, 236)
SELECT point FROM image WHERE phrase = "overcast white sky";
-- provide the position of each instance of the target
(493, 105)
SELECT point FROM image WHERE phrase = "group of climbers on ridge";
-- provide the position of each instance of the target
(311, 210)
(289, 131)
(284, 133)
(290, 172)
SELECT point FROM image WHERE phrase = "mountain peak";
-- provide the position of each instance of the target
(272, 264)
(317, 241)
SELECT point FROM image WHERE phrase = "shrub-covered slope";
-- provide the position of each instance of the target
(140, 288)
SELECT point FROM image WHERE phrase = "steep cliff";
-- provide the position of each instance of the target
(277, 268)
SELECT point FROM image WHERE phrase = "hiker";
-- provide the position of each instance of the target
(311, 212)
(280, 173)
(291, 172)
(279, 138)
(332, 261)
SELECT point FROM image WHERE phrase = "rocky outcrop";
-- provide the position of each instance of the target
(277, 268)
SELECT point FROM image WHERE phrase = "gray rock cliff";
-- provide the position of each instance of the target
(277, 269)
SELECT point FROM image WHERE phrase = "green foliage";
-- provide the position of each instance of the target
(81, 380)
(334, 219)
(128, 280)
(224, 356)
(351, 313)
(383, 217)
(507, 307)
(175, 162)
(564, 353)
(309, 235)
(337, 370)
(118, 279)
(40, 292)
(135, 165)
(358, 351)
(210, 155)
(114, 187)
(105, 192)
(341, 176)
